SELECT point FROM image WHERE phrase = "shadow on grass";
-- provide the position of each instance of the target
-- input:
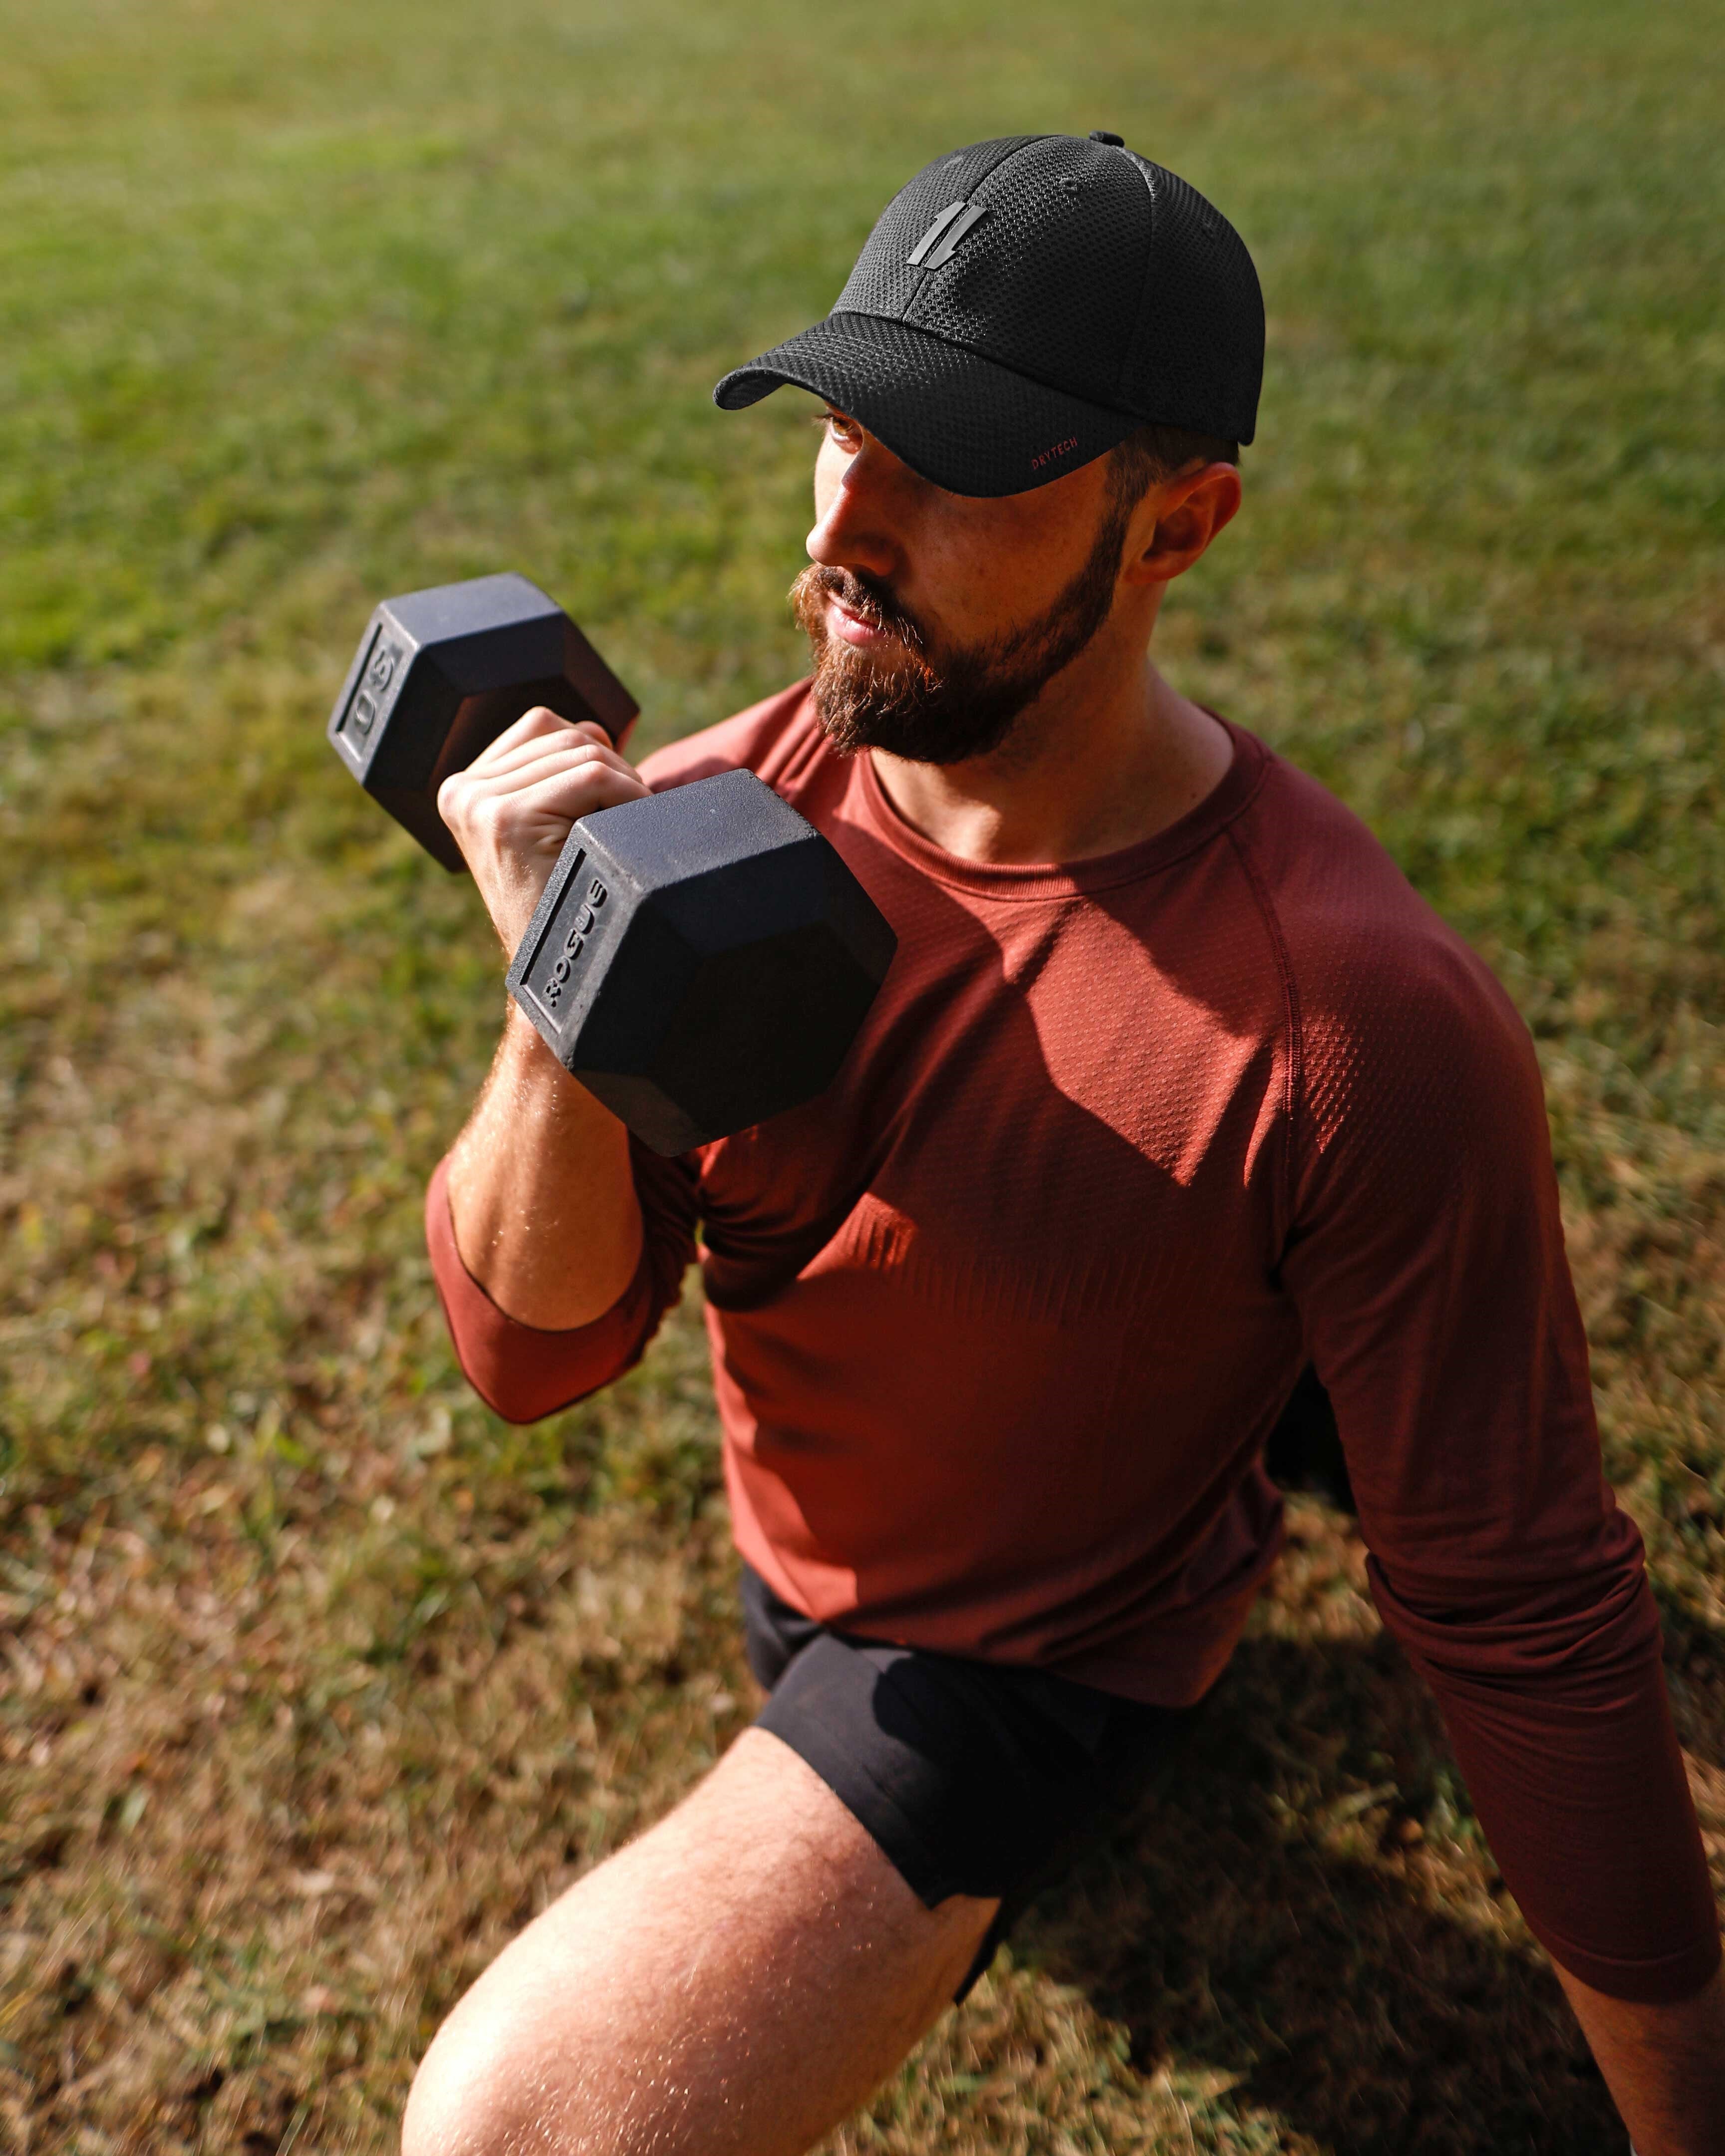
(1249, 1909)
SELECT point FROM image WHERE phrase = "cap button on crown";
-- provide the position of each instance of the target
(1102, 134)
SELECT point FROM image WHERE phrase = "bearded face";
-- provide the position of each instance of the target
(934, 702)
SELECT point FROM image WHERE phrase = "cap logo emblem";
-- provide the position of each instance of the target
(934, 248)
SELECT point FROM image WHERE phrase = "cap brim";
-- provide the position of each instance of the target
(966, 422)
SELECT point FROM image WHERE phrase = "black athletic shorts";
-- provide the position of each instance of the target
(974, 1777)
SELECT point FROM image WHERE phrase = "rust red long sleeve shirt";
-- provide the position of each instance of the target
(999, 1325)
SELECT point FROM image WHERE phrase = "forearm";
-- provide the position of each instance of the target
(1664, 2065)
(1574, 1769)
(542, 1198)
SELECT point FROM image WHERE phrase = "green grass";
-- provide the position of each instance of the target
(314, 1678)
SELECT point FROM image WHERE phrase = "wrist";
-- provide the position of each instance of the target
(523, 1052)
(543, 1204)
(534, 1085)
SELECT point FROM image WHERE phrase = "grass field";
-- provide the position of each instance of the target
(317, 1679)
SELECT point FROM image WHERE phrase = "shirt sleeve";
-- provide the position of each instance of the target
(524, 1373)
(1426, 1255)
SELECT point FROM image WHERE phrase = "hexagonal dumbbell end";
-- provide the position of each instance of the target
(701, 960)
(438, 675)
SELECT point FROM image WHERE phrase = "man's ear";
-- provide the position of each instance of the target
(1176, 521)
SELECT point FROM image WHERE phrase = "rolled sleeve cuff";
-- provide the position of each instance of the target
(1665, 1982)
(519, 1372)
(1563, 1729)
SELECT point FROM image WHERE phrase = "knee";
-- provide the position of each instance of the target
(484, 2089)
(453, 2106)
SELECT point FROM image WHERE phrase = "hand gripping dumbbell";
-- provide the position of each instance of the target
(701, 959)
(439, 673)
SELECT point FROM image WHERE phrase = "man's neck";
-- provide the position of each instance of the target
(1108, 755)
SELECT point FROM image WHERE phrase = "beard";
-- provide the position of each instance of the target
(937, 705)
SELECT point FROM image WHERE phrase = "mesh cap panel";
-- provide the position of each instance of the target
(884, 281)
(1049, 281)
(1187, 362)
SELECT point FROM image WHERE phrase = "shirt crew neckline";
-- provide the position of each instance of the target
(1010, 880)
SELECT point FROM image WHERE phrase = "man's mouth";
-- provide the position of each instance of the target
(841, 614)
(861, 632)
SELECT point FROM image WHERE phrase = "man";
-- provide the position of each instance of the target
(1174, 1087)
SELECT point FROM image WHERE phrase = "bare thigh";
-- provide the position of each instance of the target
(739, 1979)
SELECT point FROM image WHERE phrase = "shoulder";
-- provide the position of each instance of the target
(1400, 1021)
(774, 739)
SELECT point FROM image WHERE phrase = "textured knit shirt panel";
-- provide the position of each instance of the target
(1000, 1323)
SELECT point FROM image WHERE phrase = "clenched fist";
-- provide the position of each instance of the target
(511, 810)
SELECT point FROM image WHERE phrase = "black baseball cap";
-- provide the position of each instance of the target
(1022, 305)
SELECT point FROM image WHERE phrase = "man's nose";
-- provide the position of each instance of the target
(857, 525)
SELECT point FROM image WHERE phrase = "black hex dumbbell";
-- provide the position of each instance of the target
(701, 959)
(439, 673)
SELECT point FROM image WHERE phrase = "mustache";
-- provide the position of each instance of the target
(869, 598)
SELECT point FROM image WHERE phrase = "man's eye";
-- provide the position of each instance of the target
(840, 429)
